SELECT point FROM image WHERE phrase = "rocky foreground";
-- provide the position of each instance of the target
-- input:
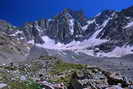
(51, 73)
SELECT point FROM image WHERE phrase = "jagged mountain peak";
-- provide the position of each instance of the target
(67, 13)
(71, 12)
(72, 30)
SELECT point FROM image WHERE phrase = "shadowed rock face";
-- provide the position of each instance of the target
(57, 28)
(69, 25)
(72, 25)
(113, 26)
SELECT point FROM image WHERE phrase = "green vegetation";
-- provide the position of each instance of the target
(30, 84)
(5, 77)
(9, 68)
(64, 71)
(59, 71)
(61, 66)
(66, 80)
(47, 58)
(35, 66)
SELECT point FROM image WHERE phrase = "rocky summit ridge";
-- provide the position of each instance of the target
(105, 35)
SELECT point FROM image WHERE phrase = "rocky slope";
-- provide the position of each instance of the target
(52, 73)
(10, 48)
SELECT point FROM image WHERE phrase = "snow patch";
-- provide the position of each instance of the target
(93, 37)
(71, 26)
(81, 47)
(129, 25)
(38, 28)
(16, 33)
(95, 34)
(85, 51)
(31, 42)
(74, 45)
(118, 52)
(98, 14)
(49, 20)
(84, 28)
(48, 43)
(23, 78)
(128, 17)
(91, 21)
(2, 85)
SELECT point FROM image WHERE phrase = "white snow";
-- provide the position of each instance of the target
(85, 51)
(21, 38)
(115, 87)
(49, 20)
(98, 14)
(91, 21)
(38, 28)
(74, 45)
(47, 84)
(96, 34)
(2, 85)
(129, 25)
(118, 52)
(19, 32)
(49, 43)
(128, 17)
(93, 37)
(71, 26)
(16, 33)
(77, 46)
(81, 46)
(23, 78)
(84, 28)
(106, 22)
(31, 42)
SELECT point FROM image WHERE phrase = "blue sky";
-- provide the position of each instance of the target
(18, 12)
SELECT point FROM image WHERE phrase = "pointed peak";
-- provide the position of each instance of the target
(73, 13)
(67, 10)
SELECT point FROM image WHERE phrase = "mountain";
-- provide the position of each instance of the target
(105, 40)
(108, 34)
